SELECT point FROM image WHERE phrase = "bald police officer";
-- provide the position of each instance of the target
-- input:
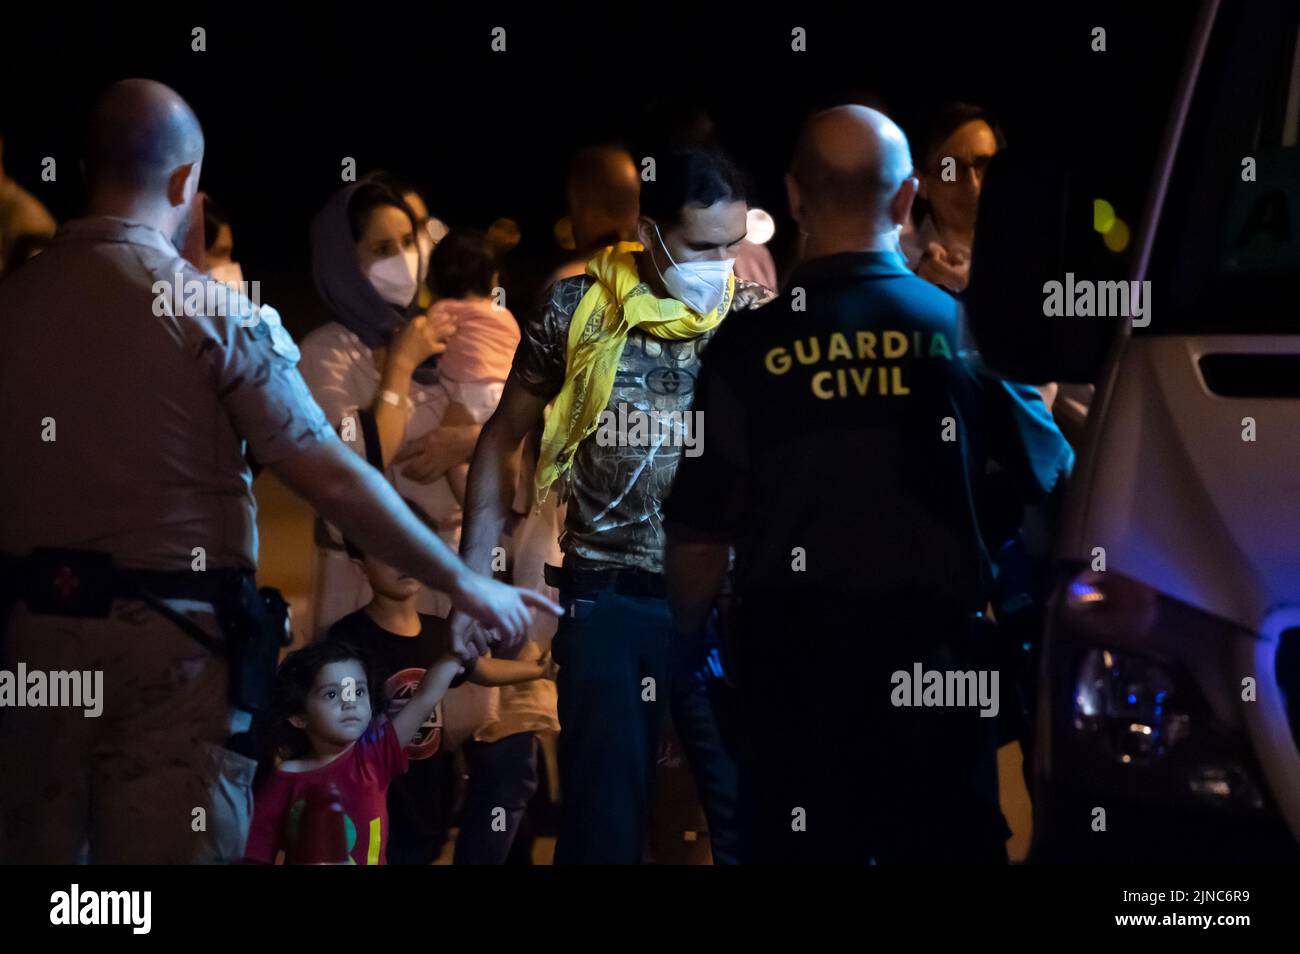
(129, 531)
(848, 440)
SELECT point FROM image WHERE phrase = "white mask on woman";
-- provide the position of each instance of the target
(394, 277)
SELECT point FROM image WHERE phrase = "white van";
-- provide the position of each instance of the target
(1168, 702)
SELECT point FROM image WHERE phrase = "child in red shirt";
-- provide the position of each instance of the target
(323, 694)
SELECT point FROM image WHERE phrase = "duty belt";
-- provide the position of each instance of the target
(84, 583)
(254, 623)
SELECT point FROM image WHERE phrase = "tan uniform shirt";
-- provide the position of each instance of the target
(123, 421)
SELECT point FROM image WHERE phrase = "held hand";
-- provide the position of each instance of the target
(505, 609)
(468, 637)
(938, 268)
(441, 325)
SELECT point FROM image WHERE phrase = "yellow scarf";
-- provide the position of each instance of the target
(618, 302)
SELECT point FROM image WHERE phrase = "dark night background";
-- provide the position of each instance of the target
(285, 94)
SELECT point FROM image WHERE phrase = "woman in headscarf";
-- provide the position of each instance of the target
(378, 355)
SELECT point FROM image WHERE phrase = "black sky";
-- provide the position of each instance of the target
(285, 94)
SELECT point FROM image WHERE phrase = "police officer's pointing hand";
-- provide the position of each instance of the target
(496, 606)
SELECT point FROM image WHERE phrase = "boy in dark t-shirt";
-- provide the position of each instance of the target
(399, 642)
(417, 801)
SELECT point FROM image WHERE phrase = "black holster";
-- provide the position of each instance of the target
(254, 622)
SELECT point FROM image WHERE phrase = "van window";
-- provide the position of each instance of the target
(1227, 251)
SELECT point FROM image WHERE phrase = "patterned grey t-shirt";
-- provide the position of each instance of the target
(622, 472)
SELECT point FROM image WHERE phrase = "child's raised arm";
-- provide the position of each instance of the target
(507, 672)
(426, 697)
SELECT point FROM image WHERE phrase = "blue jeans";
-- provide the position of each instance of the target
(698, 705)
(615, 689)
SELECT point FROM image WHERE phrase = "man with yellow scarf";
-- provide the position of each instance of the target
(615, 352)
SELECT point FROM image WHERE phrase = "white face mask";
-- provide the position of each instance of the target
(228, 274)
(700, 286)
(394, 277)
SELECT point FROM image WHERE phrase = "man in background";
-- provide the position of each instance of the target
(601, 196)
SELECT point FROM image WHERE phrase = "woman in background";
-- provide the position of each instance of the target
(960, 141)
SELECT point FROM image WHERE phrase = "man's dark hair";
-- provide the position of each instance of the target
(690, 175)
(213, 218)
(370, 195)
(946, 121)
(294, 679)
(462, 264)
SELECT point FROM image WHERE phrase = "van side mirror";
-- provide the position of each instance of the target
(1035, 225)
